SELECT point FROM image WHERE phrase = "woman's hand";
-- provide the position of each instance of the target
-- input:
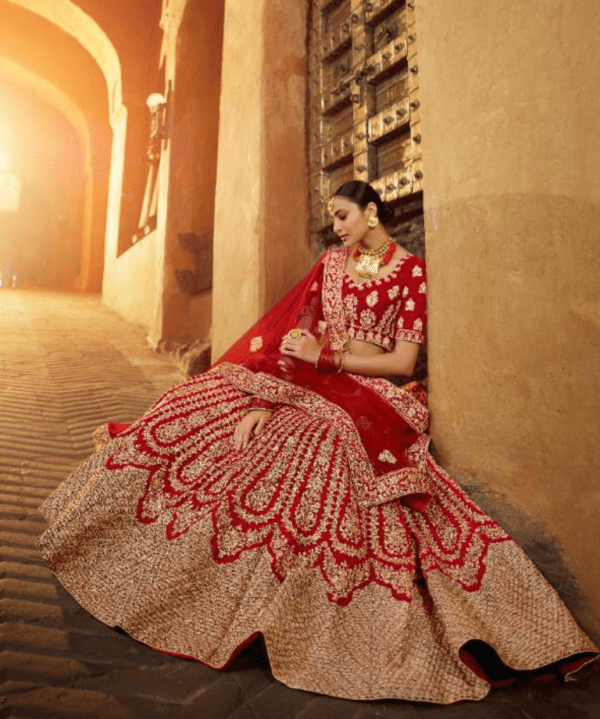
(306, 347)
(250, 425)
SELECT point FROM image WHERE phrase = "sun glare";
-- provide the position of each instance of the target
(10, 187)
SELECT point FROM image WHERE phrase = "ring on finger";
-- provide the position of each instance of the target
(295, 334)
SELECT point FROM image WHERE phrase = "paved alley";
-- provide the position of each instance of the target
(67, 365)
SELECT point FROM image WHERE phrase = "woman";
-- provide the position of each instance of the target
(289, 492)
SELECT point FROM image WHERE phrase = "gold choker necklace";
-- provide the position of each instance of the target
(370, 260)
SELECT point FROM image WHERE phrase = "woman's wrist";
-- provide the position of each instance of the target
(329, 361)
(258, 403)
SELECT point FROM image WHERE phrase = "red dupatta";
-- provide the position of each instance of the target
(384, 428)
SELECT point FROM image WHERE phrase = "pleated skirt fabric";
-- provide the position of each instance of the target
(195, 548)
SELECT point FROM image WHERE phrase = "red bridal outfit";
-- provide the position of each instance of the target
(335, 535)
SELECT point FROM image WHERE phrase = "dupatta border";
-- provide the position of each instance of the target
(408, 407)
(333, 307)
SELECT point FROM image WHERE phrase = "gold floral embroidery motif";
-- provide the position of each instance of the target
(417, 271)
(256, 343)
(409, 305)
(400, 322)
(405, 292)
(394, 292)
(350, 305)
(387, 456)
(423, 288)
(367, 319)
(372, 298)
(411, 336)
(418, 324)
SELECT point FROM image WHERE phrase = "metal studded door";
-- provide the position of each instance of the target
(365, 110)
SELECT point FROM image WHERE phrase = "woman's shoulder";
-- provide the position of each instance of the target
(414, 266)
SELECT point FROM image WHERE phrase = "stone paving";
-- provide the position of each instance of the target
(67, 365)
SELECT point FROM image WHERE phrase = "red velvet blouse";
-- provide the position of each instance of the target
(388, 309)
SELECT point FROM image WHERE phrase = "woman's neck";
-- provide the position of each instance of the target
(376, 237)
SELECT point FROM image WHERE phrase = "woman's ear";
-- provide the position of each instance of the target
(371, 208)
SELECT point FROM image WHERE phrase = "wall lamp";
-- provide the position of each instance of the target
(157, 104)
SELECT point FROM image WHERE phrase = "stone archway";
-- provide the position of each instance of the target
(102, 197)
(50, 95)
(74, 21)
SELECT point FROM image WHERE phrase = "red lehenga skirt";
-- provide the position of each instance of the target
(194, 548)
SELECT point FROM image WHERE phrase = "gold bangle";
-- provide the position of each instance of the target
(343, 352)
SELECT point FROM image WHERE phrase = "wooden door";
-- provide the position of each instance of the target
(364, 109)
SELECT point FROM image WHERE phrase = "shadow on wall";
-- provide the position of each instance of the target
(535, 540)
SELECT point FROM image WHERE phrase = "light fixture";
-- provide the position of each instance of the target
(155, 100)
(157, 104)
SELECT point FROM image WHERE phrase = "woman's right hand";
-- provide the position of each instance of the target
(250, 425)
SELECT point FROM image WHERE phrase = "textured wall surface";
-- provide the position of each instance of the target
(510, 101)
(196, 74)
(261, 210)
(133, 286)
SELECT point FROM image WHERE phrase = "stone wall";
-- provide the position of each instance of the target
(510, 106)
(261, 212)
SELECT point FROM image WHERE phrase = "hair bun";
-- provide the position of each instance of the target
(387, 212)
(361, 193)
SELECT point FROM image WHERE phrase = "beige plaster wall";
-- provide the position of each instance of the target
(133, 284)
(261, 208)
(510, 95)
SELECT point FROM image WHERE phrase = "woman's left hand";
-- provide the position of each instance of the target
(305, 348)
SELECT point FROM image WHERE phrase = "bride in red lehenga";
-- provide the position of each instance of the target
(288, 491)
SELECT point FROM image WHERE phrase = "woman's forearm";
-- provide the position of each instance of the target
(400, 362)
(383, 365)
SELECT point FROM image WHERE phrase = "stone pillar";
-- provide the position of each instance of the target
(261, 210)
(510, 96)
(195, 71)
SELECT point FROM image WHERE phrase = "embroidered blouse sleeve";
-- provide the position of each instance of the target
(412, 317)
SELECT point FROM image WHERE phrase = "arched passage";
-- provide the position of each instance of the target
(74, 21)
(102, 197)
(76, 222)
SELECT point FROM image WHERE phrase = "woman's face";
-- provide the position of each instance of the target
(349, 221)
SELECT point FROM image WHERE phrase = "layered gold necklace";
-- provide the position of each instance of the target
(368, 261)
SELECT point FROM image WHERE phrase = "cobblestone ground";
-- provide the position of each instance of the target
(67, 364)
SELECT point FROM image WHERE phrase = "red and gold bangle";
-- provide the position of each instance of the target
(260, 403)
(326, 361)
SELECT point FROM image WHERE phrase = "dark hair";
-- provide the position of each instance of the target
(361, 194)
